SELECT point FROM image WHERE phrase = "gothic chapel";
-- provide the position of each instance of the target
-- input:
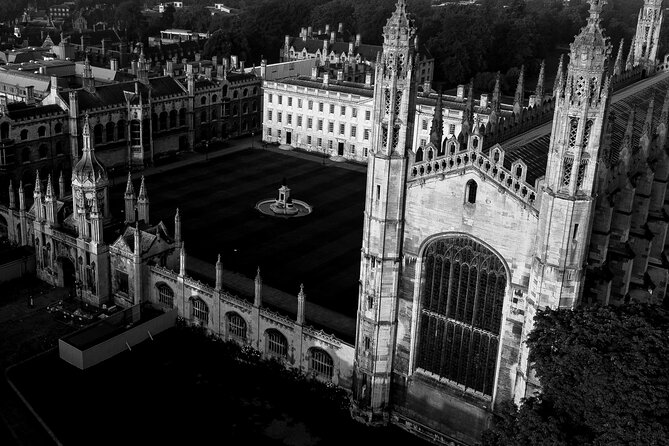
(464, 240)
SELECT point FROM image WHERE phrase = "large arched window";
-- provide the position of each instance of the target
(24, 135)
(58, 128)
(4, 130)
(41, 131)
(120, 129)
(43, 151)
(173, 119)
(182, 116)
(165, 295)
(321, 363)
(277, 344)
(163, 120)
(462, 294)
(200, 311)
(236, 326)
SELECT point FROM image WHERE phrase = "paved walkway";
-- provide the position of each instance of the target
(320, 317)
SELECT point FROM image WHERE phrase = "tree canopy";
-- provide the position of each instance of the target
(603, 372)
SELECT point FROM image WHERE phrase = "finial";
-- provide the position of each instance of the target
(177, 214)
(218, 261)
(129, 190)
(301, 294)
(49, 187)
(38, 187)
(258, 272)
(142, 190)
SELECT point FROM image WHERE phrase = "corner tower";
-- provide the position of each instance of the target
(647, 37)
(567, 200)
(394, 110)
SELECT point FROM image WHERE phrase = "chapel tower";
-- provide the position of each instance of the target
(567, 200)
(394, 109)
(647, 35)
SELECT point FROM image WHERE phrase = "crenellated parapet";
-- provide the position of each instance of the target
(428, 164)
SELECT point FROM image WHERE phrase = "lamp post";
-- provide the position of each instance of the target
(206, 150)
(252, 138)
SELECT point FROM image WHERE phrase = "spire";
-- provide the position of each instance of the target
(182, 260)
(300, 305)
(129, 190)
(138, 244)
(437, 124)
(12, 198)
(496, 94)
(177, 228)
(88, 168)
(49, 189)
(219, 273)
(61, 185)
(38, 187)
(629, 64)
(618, 65)
(540, 83)
(143, 203)
(519, 97)
(22, 197)
(257, 302)
(648, 123)
(559, 77)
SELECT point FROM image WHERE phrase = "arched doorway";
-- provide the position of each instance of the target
(68, 275)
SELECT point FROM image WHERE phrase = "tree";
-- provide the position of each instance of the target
(603, 372)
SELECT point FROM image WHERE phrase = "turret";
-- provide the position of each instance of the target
(177, 228)
(22, 197)
(182, 260)
(647, 37)
(618, 65)
(61, 185)
(37, 198)
(88, 80)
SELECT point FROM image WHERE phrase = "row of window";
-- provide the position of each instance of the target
(425, 126)
(353, 129)
(321, 106)
(319, 142)
(41, 131)
(320, 361)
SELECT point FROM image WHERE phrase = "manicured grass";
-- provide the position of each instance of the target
(216, 201)
(183, 389)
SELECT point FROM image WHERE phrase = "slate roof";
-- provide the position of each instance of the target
(17, 112)
(115, 94)
(534, 153)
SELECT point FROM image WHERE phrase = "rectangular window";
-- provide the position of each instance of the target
(422, 143)
(278, 117)
(269, 98)
(299, 103)
(122, 281)
(309, 122)
(320, 125)
(354, 112)
(366, 135)
(352, 149)
(342, 129)
(332, 109)
(368, 115)
(451, 129)
(319, 142)
(424, 124)
(330, 145)
(299, 121)
(311, 105)
(378, 192)
(269, 115)
(280, 98)
(330, 126)
(290, 118)
(269, 132)
(290, 102)
(320, 106)
(353, 131)
(278, 134)
(364, 151)
(343, 110)
(309, 139)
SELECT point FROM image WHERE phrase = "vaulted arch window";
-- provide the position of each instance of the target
(200, 311)
(419, 155)
(277, 344)
(236, 326)
(470, 191)
(41, 131)
(110, 131)
(462, 294)
(165, 295)
(320, 362)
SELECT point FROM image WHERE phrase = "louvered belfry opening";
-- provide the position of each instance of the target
(461, 309)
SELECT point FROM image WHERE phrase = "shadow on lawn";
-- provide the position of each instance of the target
(186, 387)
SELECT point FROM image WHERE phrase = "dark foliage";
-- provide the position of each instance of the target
(603, 372)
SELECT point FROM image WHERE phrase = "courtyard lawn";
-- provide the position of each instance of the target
(216, 201)
(183, 389)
